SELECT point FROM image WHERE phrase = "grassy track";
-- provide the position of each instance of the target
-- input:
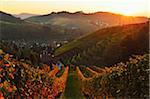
(72, 90)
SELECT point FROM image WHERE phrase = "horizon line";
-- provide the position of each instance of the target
(73, 12)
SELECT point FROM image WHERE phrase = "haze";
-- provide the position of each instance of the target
(126, 7)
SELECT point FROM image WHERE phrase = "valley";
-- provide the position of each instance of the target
(64, 55)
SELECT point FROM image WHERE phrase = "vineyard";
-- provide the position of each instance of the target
(123, 80)
(22, 80)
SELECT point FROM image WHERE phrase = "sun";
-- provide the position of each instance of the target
(127, 11)
(125, 7)
(132, 10)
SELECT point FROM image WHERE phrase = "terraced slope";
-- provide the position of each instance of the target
(106, 46)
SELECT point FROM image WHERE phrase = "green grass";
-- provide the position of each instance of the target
(116, 34)
(84, 41)
(72, 90)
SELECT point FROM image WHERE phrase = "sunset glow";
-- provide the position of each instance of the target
(126, 7)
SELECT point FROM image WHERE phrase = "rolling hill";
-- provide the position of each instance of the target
(106, 46)
(8, 17)
(12, 28)
(60, 26)
(83, 22)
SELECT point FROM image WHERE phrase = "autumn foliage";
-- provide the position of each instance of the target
(119, 80)
(34, 82)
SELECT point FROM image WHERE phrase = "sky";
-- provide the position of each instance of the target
(125, 7)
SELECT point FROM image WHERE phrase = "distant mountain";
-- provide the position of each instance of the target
(84, 22)
(106, 46)
(61, 25)
(12, 28)
(24, 15)
(15, 28)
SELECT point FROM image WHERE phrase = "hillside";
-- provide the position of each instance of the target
(106, 46)
(60, 26)
(83, 22)
(12, 28)
(8, 17)
(118, 81)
